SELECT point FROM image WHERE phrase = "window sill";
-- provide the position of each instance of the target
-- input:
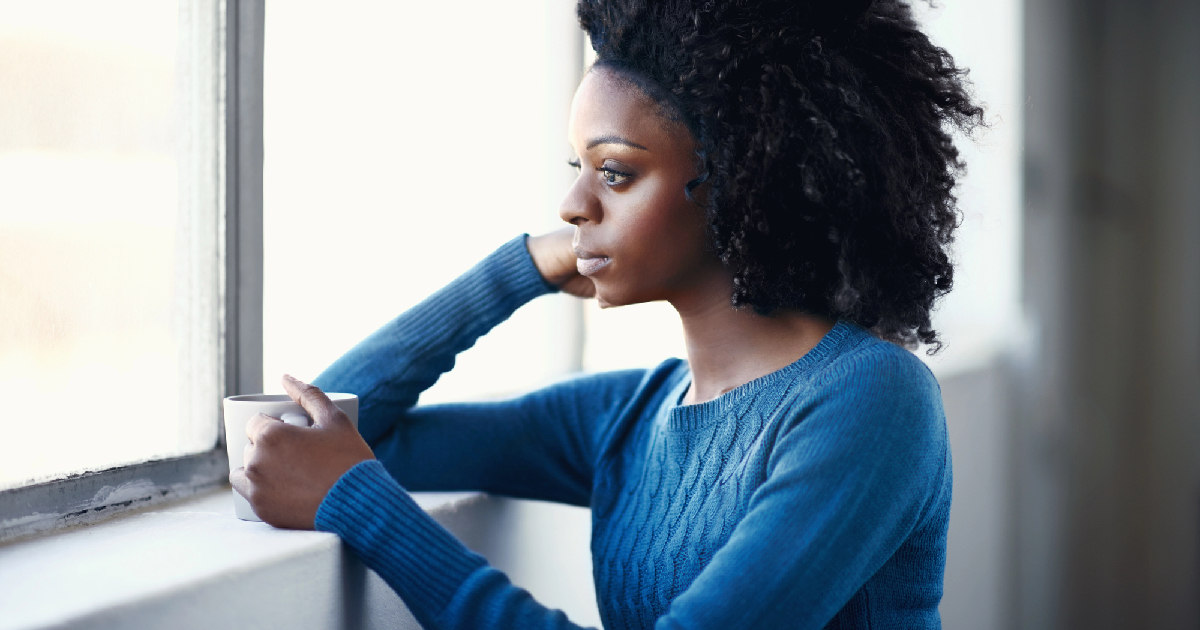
(194, 565)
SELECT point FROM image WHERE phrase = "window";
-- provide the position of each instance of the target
(400, 151)
(127, 248)
(387, 175)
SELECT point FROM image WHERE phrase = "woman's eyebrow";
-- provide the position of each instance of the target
(614, 140)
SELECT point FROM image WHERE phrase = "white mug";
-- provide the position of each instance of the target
(239, 410)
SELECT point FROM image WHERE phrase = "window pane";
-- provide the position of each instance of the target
(108, 234)
(398, 152)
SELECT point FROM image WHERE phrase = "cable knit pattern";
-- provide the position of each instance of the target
(817, 496)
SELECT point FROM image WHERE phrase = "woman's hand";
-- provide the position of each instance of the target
(554, 255)
(290, 469)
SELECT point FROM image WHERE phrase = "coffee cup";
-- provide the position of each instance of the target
(239, 409)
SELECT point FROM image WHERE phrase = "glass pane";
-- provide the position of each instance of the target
(108, 233)
(400, 151)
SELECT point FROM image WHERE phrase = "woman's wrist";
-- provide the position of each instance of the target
(553, 255)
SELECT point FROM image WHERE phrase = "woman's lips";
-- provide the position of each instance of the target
(591, 264)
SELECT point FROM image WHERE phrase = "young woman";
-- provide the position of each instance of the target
(781, 173)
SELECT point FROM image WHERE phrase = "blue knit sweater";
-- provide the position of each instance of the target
(814, 497)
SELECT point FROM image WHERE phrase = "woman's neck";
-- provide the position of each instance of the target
(728, 347)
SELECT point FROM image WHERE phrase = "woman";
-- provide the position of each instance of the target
(781, 174)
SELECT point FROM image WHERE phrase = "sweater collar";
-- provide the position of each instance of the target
(736, 401)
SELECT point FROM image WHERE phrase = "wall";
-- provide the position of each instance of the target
(978, 567)
(1106, 466)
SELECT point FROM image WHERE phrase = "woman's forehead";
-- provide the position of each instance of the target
(607, 104)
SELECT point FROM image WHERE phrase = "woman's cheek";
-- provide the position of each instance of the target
(655, 234)
(650, 215)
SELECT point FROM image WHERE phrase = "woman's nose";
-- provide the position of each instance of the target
(579, 205)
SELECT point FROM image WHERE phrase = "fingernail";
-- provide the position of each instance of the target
(291, 378)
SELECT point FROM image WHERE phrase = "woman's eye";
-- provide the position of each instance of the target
(575, 164)
(613, 177)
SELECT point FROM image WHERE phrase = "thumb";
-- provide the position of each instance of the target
(324, 413)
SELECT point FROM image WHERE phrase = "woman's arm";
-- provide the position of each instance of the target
(436, 575)
(389, 369)
(536, 446)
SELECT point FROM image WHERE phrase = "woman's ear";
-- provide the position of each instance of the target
(698, 190)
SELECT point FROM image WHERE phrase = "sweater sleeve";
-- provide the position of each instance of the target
(389, 369)
(537, 446)
(444, 584)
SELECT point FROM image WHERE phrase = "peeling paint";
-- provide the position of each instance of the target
(13, 523)
(129, 490)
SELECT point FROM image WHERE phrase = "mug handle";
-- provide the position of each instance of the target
(297, 419)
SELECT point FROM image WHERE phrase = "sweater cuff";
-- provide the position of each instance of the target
(416, 556)
(511, 268)
(527, 265)
(490, 292)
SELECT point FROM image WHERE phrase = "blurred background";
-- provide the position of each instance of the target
(405, 141)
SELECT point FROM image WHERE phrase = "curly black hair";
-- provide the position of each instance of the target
(824, 133)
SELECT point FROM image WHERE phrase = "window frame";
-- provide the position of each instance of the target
(92, 496)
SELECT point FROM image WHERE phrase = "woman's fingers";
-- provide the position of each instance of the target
(260, 424)
(579, 286)
(322, 410)
(237, 478)
(553, 255)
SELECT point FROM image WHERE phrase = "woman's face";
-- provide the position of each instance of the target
(637, 236)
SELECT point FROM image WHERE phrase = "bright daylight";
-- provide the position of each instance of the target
(610, 314)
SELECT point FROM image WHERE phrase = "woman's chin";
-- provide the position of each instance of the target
(613, 299)
(608, 298)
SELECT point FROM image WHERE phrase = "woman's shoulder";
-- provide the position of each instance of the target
(865, 363)
(867, 384)
(871, 399)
